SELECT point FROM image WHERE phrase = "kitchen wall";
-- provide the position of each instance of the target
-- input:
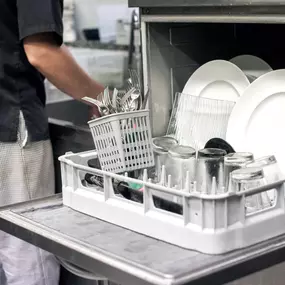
(101, 14)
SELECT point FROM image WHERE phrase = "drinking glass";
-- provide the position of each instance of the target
(161, 146)
(271, 171)
(210, 164)
(181, 160)
(249, 178)
(234, 161)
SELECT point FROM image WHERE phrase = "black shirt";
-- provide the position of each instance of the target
(21, 85)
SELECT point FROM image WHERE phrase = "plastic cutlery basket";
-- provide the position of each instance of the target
(123, 141)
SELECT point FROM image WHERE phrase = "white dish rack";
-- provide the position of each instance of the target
(212, 224)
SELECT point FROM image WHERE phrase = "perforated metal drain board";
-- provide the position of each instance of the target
(124, 256)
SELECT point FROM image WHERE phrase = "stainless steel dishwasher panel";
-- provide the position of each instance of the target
(172, 52)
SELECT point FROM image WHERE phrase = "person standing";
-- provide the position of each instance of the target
(31, 49)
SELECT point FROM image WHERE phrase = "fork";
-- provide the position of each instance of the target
(103, 110)
(135, 79)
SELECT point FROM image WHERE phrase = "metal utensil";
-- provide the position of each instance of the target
(134, 102)
(128, 99)
(106, 97)
(107, 101)
(115, 99)
(103, 110)
(129, 84)
(118, 101)
(135, 79)
(100, 97)
(145, 99)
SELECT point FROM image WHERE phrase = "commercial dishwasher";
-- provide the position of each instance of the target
(177, 37)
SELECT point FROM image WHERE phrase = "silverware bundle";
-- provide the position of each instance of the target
(111, 102)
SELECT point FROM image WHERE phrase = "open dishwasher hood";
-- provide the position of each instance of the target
(179, 36)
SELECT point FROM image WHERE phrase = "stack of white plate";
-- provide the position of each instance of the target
(218, 80)
(252, 66)
(257, 120)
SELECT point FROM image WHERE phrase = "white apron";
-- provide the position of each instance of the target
(26, 172)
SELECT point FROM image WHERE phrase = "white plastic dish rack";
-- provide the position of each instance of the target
(212, 224)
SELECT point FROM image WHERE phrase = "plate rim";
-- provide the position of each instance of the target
(238, 121)
(267, 66)
(218, 64)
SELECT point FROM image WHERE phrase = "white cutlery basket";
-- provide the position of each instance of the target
(212, 224)
(123, 141)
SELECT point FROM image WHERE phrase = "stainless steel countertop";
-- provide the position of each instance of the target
(97, 45)
(126, 257)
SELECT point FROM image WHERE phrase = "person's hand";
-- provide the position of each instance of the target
(94, 113)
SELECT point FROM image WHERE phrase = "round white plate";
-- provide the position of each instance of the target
(251, 65)
(257, 122)
(221, 71)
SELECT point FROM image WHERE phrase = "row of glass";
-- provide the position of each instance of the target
(232, 172)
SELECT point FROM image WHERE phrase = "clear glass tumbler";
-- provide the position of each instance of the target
(161, 146)
(249, 178)
(181, 159)
(234, 161)
(210, 164)
(271, 171)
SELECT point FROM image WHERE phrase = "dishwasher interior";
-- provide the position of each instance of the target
(173, 51)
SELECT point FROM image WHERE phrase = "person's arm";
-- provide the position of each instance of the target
(56, 63)
(41, 33)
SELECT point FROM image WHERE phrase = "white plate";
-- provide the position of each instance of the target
(251, 65)
(257, 122)
(221, 75)
(221, 90)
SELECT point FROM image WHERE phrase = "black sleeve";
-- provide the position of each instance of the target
(40, 16)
